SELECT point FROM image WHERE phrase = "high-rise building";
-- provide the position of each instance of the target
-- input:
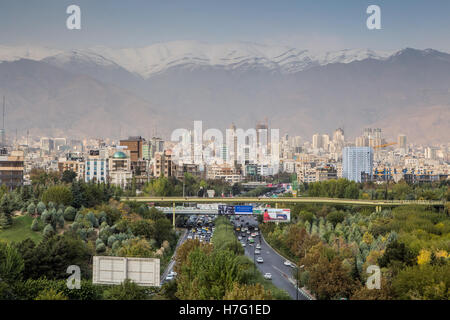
(47, 144)
(96, 167)
(59, 142)
(338, 136)
(357, 162)
(401, 141)
(11, 168)
(317, 141)
(325, 141)
(135, 146)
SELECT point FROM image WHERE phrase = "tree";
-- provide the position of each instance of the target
(247, 292)
(423, 282)
(58, 194)
(35, 225)
(68, 176)
(51, 294)
(6, 204)
(5, 221)
(40, 208)
(11, 263)
(127, 290)
(48, 230)
(397, 256)
(163, 231)
(69, 213)
(139, 248)
(144, 228)
(51, 257)
(31, 209)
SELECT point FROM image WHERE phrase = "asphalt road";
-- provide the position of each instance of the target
(282, 275)
(171, 264)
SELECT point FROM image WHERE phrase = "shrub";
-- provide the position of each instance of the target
(40, 208)
(31, 209)
(48, 230)
(70, 213)
(51, 294)
(35, 225)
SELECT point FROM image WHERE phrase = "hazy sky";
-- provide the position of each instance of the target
(309, 24)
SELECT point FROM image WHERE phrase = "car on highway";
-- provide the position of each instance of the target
(258, 246)
(239, 238)
(268, 276)
(260, 260)
(287, 263)
(257, 251)
(243, 244)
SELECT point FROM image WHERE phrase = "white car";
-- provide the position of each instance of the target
(268, 276)
(260, 260)
(258, 246)
(173, 274)
(239, 238)
(287, 263)
(243, 244)
(169, 277)
(257, 251)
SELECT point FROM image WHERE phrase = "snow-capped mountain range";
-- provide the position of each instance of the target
(154, 59)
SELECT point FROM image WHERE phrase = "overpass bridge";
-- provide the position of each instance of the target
(238, 200)
(378, 204)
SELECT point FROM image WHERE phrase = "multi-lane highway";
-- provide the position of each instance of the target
(282, 275)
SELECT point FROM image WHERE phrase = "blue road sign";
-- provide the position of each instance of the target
(243, 209)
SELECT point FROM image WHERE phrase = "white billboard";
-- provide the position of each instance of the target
(276, 215)
(114, 270)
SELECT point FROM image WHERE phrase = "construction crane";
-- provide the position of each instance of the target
(385, 145)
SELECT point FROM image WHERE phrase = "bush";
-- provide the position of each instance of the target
(5, 221)
(336, 217)
(70, 213)
(58, 195)
(31, 209)
(40, 208)
(51, 294)
(100, 247)
(60, 222)
(46, 216)
(35, 225)
(48, 230)
(31, 288)
(111, 240)
(306, 216)
(128, 290)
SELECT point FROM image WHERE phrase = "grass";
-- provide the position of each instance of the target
(20, 230)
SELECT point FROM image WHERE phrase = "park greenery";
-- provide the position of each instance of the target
(58, 221)
(53, 224)
(336, 245)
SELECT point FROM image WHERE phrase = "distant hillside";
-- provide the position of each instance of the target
(105, 92)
